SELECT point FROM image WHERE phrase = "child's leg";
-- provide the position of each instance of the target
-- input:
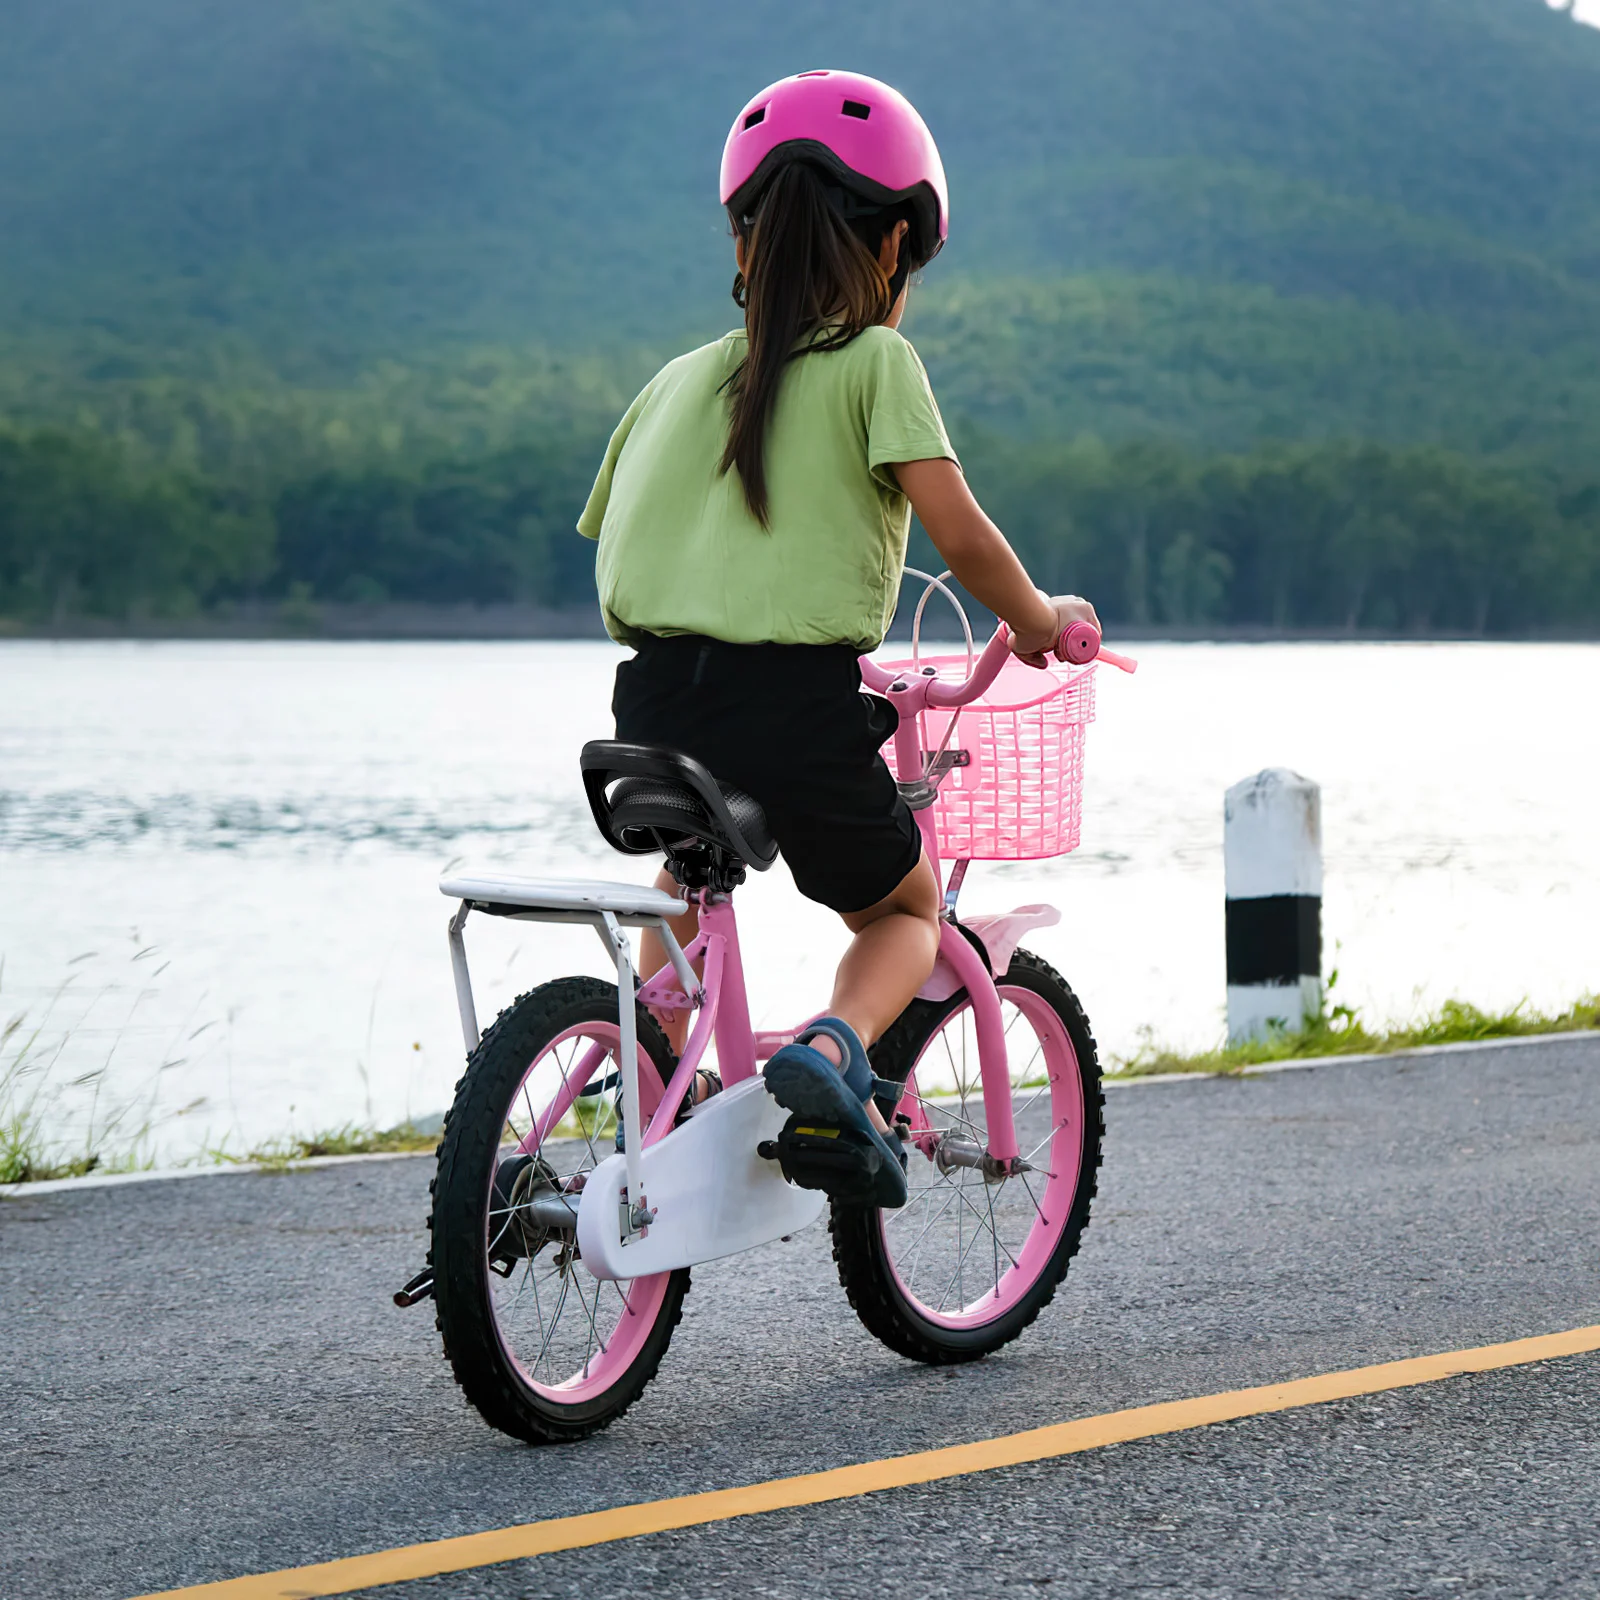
(896, 944)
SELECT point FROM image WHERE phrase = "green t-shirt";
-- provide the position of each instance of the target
(679, 550)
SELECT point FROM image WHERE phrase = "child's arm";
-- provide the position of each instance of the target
(983, 561)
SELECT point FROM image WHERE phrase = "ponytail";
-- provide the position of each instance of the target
(806, 268)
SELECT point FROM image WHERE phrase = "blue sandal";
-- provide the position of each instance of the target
(829, 1143)
(706, 1079)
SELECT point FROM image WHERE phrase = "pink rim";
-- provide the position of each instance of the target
(1051, 1200)
(624, 1313)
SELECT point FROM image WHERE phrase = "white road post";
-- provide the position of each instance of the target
(1272, 859)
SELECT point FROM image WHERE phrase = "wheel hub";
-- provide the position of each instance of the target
(953, 1151)
(529, 1208)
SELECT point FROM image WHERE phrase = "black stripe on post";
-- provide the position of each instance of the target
(1276, 939)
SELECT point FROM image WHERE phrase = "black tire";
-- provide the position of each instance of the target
(859, 1248)
(468, 1156)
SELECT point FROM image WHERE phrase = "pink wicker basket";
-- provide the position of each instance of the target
(1013, 790)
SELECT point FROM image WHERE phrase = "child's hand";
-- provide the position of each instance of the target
(1037, 646)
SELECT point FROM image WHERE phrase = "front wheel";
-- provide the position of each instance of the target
(968, 1262)
(546, 1351)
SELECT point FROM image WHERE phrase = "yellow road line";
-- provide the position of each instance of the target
(897, 1472)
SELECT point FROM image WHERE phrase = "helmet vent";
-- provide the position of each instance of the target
(854, 108)
(754, 117)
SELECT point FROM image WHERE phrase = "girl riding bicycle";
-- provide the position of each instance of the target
(752, 512)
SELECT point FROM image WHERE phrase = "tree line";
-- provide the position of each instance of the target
(1342, 536)
(1339, 536)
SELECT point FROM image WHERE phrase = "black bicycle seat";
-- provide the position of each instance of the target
(645, 796)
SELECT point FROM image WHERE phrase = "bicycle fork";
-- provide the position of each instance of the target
(968, 966)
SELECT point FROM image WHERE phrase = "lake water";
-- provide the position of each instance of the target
(218, 861)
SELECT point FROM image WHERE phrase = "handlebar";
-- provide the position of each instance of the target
(995, 655)
(1079, 644)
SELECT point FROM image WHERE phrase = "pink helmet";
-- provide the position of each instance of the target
(867, 136)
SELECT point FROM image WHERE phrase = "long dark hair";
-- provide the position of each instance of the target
(809, 265)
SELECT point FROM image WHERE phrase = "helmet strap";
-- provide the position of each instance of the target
(902, 272)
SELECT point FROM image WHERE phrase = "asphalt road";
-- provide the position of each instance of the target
(206, 1378)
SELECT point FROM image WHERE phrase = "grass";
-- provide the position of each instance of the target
(588, 1119)
(118, 1138)
(349, 1140)
(22, 1157)
(116, 1135)
(1339, 1031)
(27, 1057)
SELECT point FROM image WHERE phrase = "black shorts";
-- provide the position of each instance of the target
(788, 724)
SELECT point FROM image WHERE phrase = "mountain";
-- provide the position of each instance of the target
(1255, 313)
(347, 181)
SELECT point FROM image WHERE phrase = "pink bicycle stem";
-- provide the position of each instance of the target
(1081, 643)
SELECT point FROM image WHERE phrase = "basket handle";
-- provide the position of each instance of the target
(922, 605)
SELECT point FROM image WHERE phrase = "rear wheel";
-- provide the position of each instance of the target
(969, 1261)
(544, 1350)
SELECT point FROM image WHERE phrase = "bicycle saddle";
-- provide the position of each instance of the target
(662, 795)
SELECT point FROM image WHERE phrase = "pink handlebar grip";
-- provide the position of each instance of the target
(1081, 643)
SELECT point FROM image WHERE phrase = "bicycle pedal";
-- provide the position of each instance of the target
(834, 1160)
(418, 1289)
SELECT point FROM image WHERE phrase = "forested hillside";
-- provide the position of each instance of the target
(339, 301)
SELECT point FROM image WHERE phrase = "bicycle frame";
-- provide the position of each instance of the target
(716, 997)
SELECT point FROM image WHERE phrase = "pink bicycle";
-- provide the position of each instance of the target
(561, 1252)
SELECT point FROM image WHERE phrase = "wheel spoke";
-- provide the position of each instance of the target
(577, 1104)
(988, 1195)
(956, 1277)
(989, 1224)
(538, 1306)
(522, 1288)
(961, 1254)
(933, 1107)
(590, 1312)
(915, 1200)
(955, 1072)
(508, 1213)
(1041, 1144)
(555, 1319)
(916, 1244)
(533, 1120)
(1033, 1099)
